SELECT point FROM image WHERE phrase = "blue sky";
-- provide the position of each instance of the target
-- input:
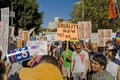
(55, 8)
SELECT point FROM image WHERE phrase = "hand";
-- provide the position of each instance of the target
(83, 75)
(7, 65)
(72, 73)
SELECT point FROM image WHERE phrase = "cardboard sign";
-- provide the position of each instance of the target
(103, 36)
(26, 35)
(18, 54)
(84, 29)
(19, 42)
(67, 31)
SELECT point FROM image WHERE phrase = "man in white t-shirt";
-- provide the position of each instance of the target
(80, 62)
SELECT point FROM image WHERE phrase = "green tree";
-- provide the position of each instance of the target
(27, 15)
(4, 3)
(97, 12)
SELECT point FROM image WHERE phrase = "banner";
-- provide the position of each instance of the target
(18, 55)
(67, 31)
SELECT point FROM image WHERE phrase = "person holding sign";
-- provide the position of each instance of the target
(66, 59)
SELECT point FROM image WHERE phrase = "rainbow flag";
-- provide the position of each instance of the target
(112, 10)
(117, 37)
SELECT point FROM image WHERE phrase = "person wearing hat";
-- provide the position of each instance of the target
(113, 64)
(112, 51)
(46, 70)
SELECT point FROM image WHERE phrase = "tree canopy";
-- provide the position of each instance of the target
(95, 11)
(26, 14)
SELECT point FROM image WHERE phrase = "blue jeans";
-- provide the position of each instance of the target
(77, 76)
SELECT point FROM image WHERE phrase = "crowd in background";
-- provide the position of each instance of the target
(67, 61)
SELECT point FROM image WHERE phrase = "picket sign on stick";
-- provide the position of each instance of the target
(67, 45)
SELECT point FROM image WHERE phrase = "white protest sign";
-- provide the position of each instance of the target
(37, 47)
(51, 36)
(94, 37)
(5, 29)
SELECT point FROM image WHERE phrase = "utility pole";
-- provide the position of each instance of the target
(82, 10)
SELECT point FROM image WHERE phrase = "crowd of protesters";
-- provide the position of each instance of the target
(67, 61)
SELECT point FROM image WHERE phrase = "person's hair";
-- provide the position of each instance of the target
(56, 44)
(79, 43)
(101, 59)
(0, 54)
(109, 42)
(114, 52)
(2, 69)
(49, 59)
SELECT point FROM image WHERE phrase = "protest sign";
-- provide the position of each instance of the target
(103, 36)
(25, 35)
(84, 29)
(67, 31)
(19, 42)
(5, 29)
(51, 36)
(37, 47)
(18, 55)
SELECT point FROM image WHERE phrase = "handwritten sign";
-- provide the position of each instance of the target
(26, 35)
(19, 42)
(18, 54)
(51, 36)
(67, 31)
(37, 47)
(103, 36)
(84, 29)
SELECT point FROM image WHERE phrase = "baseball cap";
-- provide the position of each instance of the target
(111, 47)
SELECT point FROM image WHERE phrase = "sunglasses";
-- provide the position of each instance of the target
(78, 48)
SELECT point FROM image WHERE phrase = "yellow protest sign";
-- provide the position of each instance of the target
(67, 31)
(19, 42)
(26, 35)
